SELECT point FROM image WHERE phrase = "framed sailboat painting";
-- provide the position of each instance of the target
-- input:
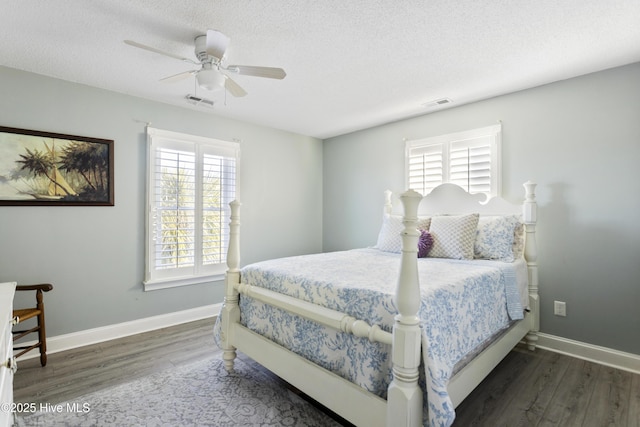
(51, 169)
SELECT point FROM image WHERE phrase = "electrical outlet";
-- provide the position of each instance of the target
(560, 308)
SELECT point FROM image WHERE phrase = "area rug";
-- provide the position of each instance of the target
(200, 394)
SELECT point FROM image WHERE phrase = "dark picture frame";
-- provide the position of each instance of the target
(51, 169)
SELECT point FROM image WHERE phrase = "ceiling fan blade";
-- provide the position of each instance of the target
(250, 70)
(158, 51)
(234, 88)
(217, 44)
(178, 77)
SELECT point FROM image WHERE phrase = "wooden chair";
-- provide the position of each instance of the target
(20, 315)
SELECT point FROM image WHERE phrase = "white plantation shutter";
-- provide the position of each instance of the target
(425, 168)
(470, 164)
(173, 207)
(218, 190)
(470, 159)
(190, 184)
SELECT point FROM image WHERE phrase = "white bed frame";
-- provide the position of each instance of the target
(403, 406)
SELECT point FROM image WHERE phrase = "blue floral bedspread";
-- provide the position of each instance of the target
(463, 304)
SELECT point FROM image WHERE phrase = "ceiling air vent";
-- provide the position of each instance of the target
(437, 103)
(196, 100)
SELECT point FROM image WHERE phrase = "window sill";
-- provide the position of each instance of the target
(154, 285)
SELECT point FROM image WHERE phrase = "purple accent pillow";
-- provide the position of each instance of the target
(425, 243)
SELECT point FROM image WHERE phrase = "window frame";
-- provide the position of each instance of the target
(157, 139)
(442, 144)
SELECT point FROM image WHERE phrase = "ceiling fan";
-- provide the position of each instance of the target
(210, 49)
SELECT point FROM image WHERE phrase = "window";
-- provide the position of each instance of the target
(190, 182)
(470, 159)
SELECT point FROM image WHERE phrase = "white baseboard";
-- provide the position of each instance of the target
(64, 342)
(593, 353)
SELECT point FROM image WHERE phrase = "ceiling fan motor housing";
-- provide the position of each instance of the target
(201, 50)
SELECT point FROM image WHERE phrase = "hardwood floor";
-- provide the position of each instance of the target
(73, 373)
(545, 389)
(538, 388)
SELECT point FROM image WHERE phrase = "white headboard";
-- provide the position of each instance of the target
(451, 199)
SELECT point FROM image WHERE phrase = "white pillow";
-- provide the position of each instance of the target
(495, 237)
(390, 236)
(453, 236)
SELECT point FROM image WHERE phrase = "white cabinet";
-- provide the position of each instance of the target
(7, 363)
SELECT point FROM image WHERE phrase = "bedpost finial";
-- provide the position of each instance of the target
(412, 193)
(529, 207)
(388, 206)
(411, 200)
(233, 250)
(530, 190)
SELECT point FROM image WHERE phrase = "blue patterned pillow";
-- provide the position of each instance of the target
(425, 243)
(495, 238)
(390, 236)
(518, 240)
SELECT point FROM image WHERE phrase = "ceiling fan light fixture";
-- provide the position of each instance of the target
(210, 79)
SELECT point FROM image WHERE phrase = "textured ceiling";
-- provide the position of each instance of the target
(350, 64)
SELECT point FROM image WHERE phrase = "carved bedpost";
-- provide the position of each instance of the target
(529, 215)
(404, 399)
(230, 310)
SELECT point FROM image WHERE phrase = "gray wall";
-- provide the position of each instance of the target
(579, 139)
(94, 256)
